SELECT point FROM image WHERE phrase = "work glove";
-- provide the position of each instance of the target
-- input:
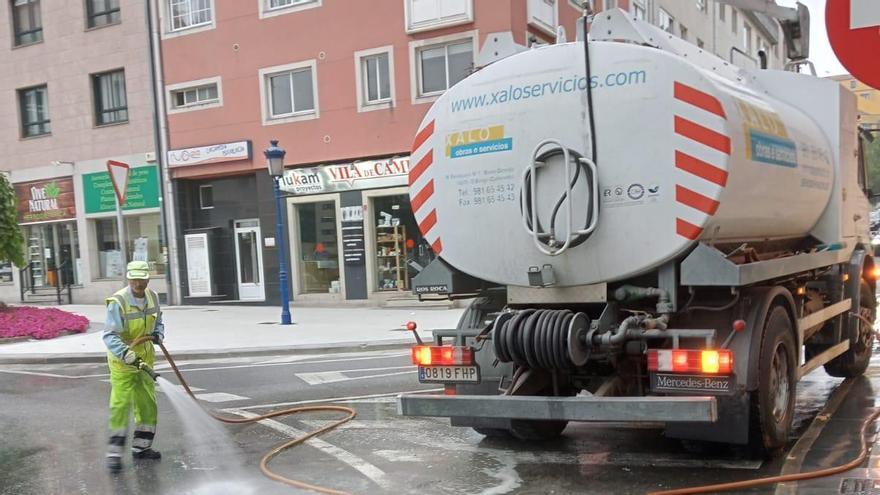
(157, 338)
(129, 357)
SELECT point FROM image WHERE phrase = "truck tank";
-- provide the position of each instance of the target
(682, 155)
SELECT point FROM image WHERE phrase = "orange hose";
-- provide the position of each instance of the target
(819, 473)
(264, 462)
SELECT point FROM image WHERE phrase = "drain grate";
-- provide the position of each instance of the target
(860, 486)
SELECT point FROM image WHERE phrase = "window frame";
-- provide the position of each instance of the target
(415, 49)
(172, 89)
(702, 6)
(746, 38)
(660, 13)
(34, 5)
(168, 30)
(637, 6)
(361, 80)
(202, 188)
(265, 93)
(90, 15)
(409, 27)
(535, 22)
(96, 98)
(45, 124)
(266, 11)
(722, 12)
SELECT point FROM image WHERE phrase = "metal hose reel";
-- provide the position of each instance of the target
(542, 338)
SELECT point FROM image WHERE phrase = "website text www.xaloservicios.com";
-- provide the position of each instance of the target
(546, 88)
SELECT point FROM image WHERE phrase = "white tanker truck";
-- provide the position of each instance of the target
(655, 235)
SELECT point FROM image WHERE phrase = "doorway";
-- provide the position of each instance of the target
(249, 260)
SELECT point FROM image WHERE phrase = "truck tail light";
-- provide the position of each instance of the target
(443, 355)
(710, 361)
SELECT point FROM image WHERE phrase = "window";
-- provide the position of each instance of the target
(376, 78)
(206, 197)
(422, 15)
(639, 11)
(733, 17)
(201, 95)
(189, 13)
(111, 106)
(142, 243)
(289, 92)
(26, 22)
(684, 31)
(747, 38)
(610, 4)
(34, 107)
(666, 21)
(441, 66)
(102, 12)
(702, 5)
(271, 8)
(541, 14)
(700, 43)
(277, 4)
(722, 12)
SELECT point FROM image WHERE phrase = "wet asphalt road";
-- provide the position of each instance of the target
(53, 431)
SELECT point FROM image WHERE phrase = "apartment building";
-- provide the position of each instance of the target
(75, 92)
(342, 86)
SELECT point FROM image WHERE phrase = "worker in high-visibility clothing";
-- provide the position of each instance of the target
(132, 312)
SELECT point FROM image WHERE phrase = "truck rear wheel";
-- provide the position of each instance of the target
(855, 361)
(772, 404)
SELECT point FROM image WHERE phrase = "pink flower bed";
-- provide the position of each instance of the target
(39, 323)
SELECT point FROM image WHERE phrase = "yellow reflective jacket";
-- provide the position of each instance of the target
(136, 322)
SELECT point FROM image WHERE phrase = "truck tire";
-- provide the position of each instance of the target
(772, 404)
(533, 430)
(492, 432)
(477, 312)
(855, 361)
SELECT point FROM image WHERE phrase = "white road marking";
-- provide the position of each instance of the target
(264, 365)
(194, 389)
(51, 375)
(219, 397)
(306, 357)
(375, 474)
(336, 399)
(319, 377)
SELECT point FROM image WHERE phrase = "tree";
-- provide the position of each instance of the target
(11, 238)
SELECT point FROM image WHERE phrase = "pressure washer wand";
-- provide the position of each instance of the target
(146, 369)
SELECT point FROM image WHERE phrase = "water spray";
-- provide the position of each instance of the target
(264, 462)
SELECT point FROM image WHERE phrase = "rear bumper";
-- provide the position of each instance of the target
(616, 409)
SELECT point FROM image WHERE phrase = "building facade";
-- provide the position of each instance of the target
(75, 85)
(345, 102)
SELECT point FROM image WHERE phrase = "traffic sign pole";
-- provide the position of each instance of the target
(119, 176)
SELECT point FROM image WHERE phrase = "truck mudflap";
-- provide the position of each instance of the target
(694, 409)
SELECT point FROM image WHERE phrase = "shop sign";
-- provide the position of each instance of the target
(45, 200)
(215, 153)
(368, 174)
(142, 190)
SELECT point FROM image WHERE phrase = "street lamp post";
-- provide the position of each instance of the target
(275, 163)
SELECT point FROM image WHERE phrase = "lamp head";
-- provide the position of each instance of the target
(275, 159)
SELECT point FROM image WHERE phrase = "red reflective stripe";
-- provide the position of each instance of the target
(687, 229)
(429, 221)
(700, 168)
(420, 167)
(437, 246)
(423, 136)
(700, 134)
(422, 196)
(699, 99)
(696, 200)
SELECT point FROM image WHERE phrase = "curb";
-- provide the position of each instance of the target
(101, 357)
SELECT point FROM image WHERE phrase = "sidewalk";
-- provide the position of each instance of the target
(193, 331)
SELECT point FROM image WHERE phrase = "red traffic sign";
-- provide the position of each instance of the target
(119, 176)
(854, 32)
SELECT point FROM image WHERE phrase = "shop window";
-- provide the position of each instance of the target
(111, 105)
(5, 272)
(441, 66)
(34, 108)
(53, 254)
(142, 243)
(318, 248)
(206, 197)
(401, 252)
(27, 22)
(102, 12)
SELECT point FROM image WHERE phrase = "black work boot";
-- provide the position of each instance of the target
(147, 454)
(114, 463)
